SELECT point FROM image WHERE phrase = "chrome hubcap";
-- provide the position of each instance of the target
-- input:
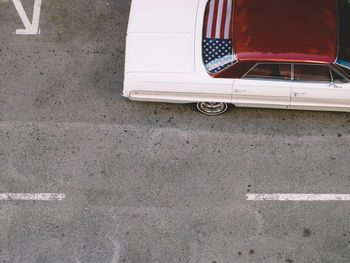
(212, 108)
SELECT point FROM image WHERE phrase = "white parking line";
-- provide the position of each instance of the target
(31, 197)
(298, 197)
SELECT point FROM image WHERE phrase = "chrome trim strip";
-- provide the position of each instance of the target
(178, 97)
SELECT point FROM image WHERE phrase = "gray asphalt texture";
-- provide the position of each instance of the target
(148, 182)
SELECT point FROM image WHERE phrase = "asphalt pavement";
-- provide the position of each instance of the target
(151, 182)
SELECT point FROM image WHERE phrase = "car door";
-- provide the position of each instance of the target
(319, 87)
(265, 85)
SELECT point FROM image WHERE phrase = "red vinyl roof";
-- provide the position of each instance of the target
(286, 30)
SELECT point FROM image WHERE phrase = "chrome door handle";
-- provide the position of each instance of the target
(298, 93)
(240, 90)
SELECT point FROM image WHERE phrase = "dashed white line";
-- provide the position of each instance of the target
(31, 197)
(298, 197)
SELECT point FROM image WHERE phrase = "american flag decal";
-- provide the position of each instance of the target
(217, 41)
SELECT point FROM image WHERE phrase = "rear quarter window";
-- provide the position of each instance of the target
(217, 44)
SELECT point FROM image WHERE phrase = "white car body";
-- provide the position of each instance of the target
(164, 64)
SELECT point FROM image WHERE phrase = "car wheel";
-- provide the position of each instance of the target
(212, 108)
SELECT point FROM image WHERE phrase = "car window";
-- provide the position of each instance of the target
(344, 37)
(312, 73)
(217, 45)
(337, 78)
(270, 71)
(346, 70)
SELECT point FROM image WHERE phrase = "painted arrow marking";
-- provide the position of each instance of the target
(30, 28)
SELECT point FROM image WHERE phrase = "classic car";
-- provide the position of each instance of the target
(246, 53)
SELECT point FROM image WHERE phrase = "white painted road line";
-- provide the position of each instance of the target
(31, 197)
(30, 28)
(298, 197)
